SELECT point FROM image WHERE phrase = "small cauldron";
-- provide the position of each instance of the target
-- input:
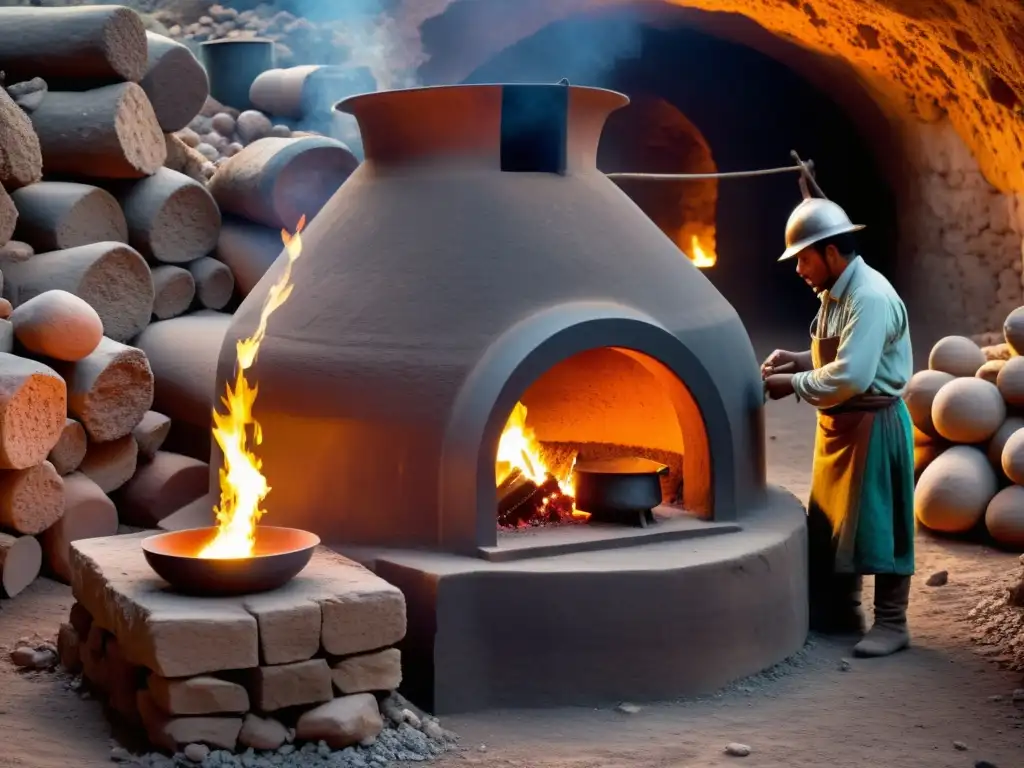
(624, 490)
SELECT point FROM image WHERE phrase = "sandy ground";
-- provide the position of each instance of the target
(902, 712)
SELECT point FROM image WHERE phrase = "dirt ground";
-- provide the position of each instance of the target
(902, 712)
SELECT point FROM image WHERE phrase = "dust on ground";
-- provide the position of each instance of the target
(945, 703)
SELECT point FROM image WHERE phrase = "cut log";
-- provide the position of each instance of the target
(184, 353)
(175, 82)
(58, 325)
(88, 514)
(171, 218)
(112, 464)
(66, 456)
(161, 487)
(174, 289)
(110, 390)
(53, 215)
(31, 500)
(21, 559)
(185, 159)
(150, 433)
(8, 216)
(106, 133)
(33, 404)
(21, 159)
(215, 285)
(249, 250)
(103, 42)
(112, 278)
(295, 91)
(275, 182)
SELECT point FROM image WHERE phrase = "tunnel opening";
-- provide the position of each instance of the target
(695, 90)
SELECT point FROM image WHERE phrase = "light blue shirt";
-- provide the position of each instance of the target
(870, 319)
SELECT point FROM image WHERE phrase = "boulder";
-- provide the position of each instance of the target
(920, 394)
(1004, 517)
(953, 492)
(1013, 330)
(968, 410)
(342, 722)
(1011, 381)
(957, 355)
(57, 324)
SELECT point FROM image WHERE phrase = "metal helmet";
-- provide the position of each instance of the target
(814, 220)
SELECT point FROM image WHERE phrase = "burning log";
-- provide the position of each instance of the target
(88, 514)
(97, 43)
(31, 500)
(174, 289)
(8, 216)
(522, 501)
(21, 559)
(171, 217)
(175, 82)
(33, 403)
(167, 483)
(21, 160)
(110, 390)
(53, 215)
(215, 285)
(275, 181)
(67, 455)
(111, 277)
(248, 249)
(111, 464)
(107, 133)
(150, 434)
(58, 325)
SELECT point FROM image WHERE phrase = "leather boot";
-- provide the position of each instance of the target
(889, 633)
(836, 609)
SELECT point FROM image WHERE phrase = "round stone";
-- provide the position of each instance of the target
(957, 355)
(968, 410)
(1004, 517)
(920, 394)
(953, 492)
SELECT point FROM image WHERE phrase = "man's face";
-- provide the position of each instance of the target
(812, 266)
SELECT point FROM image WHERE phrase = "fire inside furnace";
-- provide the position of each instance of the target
(701, 258)
(529, 493)
(243, 488)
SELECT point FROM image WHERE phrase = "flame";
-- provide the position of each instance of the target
(701, 258)
(242, 484)
(518, 448)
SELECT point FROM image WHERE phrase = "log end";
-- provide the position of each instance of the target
(21, 559)
(138, 132)
(175, 289)
(124, 44)
(21, 158)
(176, 83)
(119, 286)
(33, 412)
(8, 217)
(31, 500)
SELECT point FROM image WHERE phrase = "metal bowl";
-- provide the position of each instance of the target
(280, 555)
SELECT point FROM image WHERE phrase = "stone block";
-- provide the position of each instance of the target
(174, 733)
(334, 603)
(202, 695)
(288, 685)
(342, 722)
(122, 683)
(381, 671)
(94, 663)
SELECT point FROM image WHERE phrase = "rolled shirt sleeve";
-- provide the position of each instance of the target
(862, 340)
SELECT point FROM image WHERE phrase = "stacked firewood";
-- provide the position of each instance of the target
(968, 415)
(97, 238)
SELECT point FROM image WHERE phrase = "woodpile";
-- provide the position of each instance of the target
(98, 237)
(968, 416)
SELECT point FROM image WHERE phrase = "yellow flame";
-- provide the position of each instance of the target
(518, 448)
(701, 258)
(243, 487)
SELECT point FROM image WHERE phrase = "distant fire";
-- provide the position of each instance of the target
(701, 258)
(242, 484)
(530, 492)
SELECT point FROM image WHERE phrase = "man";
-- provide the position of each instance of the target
(861, 510)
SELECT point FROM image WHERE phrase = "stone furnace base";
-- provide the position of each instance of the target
(648, 622)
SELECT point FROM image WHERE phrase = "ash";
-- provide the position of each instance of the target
(393, 745)
(998, 621)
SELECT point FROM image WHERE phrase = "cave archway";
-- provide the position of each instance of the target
(651, 135)
(751, 110)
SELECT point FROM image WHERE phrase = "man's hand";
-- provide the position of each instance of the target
(780, 361)
(779, 385)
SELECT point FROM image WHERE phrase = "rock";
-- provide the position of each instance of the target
(33, 402)
(920, 394)
(956, 355)
(207, 150)
(380, 671)
(289, 685)
(997, 352)
(253, 125)
(968, 410)
(174, 733)
(201, 695)
(1004, 517)
(31, 500)
(735, 749)
(342, 722)
(959, 746)
(1011, 381)
(224, 124)
(68, 649)
(953, 492)
(21, 560)
(66, 456)
(111, 464)
(1013, 330)
(998, 442)
(88, 513)
(120, 754)
(196, 752)
(938, 579)
(15, 252)
(32, 658)
(281, 131)
(990, 370)
(1013, 457)
(57, 324)
(627, 709)
(927, 453)
(845, 665)
(21, 160)
(262, 733)
(28, 94)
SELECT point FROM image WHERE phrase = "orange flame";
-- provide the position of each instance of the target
(243, 487)
(518, 448)
(701, 258)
